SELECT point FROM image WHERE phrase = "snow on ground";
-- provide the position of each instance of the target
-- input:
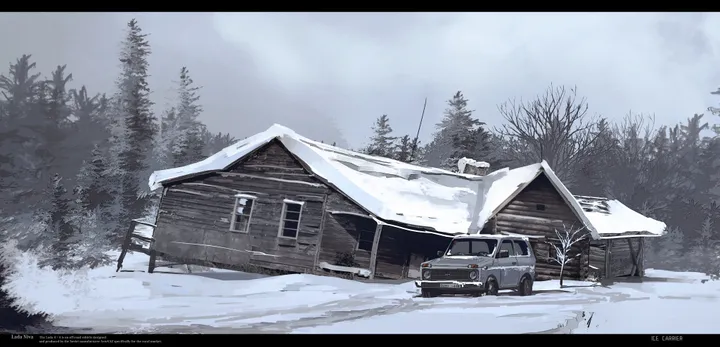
(235, 302)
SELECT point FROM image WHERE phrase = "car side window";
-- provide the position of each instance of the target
(507, 246)
(521, 248)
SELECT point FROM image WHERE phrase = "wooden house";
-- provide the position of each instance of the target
(279, 201)
(532, 201)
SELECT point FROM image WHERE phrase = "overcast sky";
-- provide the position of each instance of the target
(329, 75)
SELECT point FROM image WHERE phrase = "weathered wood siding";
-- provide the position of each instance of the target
(621, 257)
(342, 233)
(620, 260)
(538, 211)
(392, 255)
(194, 217)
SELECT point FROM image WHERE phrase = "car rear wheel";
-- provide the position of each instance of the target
(525, 287)
(491, 288)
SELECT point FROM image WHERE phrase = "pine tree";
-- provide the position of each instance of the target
(404, 149)
(59, 225)
(133, 125)
(382, 144)
(22, 130)
(188, 144)
(216, 142)
(459, 135)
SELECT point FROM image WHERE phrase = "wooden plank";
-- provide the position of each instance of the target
(125, 246)
(632, 257)
(641, 261)
(281, 180)
(373, 253)
(143, 238)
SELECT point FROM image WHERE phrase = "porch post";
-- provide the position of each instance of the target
(373, 253)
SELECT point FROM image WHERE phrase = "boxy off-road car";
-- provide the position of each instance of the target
(480, 264)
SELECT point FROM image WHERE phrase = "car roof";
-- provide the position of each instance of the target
(492, 236)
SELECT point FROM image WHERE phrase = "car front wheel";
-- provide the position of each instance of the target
(491, 288)
(426, 293)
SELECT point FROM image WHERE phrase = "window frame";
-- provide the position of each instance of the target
(511, 254)
(235, 214)
(372, 241)
(281, 227)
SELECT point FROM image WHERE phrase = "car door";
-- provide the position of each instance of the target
(523, 256)
(508, 271)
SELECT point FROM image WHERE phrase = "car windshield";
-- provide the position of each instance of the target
(470, 247)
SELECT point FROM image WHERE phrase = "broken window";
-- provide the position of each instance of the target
(365, 240)
(290, 223)
(242, 213)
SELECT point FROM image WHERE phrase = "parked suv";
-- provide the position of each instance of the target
(480, 264)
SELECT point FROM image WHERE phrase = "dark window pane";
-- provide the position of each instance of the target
(293, 216)
(521, 248)
(367, 235)
(241, 223)
(292, 207)
(290, 225)
(365, 246)
(291, 232)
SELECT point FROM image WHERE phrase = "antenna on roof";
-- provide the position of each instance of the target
(417, 135)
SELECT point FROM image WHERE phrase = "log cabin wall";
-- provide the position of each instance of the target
(537, 211)
(195, 215)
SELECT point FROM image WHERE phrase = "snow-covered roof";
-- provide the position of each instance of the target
(612, 219)
(390, 189)
(604, 218)
(414, 195)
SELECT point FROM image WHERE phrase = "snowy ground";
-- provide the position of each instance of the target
(232, 302)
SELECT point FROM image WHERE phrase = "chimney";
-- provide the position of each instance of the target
(473, 167)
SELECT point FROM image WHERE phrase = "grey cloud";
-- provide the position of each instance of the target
(329, 75)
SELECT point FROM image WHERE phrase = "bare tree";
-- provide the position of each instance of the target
(567, 238)
(554, 127)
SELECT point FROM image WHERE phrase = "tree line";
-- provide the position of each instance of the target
(74, 165)
(667, 172)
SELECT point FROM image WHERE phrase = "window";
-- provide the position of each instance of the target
(540, 207)
(507, 246)
(365, 240)
(242, 212)
(290, 223)
(521, 248)
(479, 248)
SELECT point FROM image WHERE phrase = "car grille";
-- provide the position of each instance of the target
(450, 274)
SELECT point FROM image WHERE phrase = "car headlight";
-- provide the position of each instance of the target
(473, 275)
(426, 275)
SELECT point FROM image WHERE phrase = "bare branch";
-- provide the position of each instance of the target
(555, 127)
(567, 237)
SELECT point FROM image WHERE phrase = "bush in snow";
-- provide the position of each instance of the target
(14, 317)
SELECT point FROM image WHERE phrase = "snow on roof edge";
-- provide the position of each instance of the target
(569, 198)
(229, 155)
